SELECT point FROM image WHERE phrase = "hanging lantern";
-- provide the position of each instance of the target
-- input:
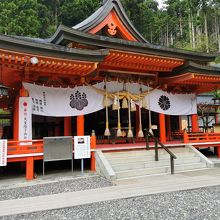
(3, 91)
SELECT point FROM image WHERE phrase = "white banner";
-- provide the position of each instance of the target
(61, 102)
(81, 147)
(82, 100)
(25, 118)
(3, 153)
(170, 104)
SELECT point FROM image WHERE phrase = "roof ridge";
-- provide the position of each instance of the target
(102, 12)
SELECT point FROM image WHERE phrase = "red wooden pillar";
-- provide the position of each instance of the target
(15, 119)
(162, 128)
(67, 126)
(218, 152)
(30, 168)
(57, 128)
(216, 119)
(168, 126)
(93, 146)
(80, 125)
(195, 123)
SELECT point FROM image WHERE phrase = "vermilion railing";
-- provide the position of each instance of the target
(201, 137)
(33, 146)
(25, 147)
(30, 150)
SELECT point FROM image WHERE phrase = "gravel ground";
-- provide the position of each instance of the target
(55, 187)
(197, 204)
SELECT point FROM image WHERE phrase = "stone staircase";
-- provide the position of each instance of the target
(136, 163)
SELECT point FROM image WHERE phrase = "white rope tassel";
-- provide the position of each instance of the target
(150, 124)
(119, 133)
(130, 133)
(107, 131)
(140, 132)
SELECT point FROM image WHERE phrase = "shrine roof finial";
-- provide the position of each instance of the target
(108, 8)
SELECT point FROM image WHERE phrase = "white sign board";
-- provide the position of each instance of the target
(3, 153)
(25, 118)
(81, 147)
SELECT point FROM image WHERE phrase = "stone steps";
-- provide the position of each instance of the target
(158, 170)
(142, 164)
(145, 158)
(134, 163)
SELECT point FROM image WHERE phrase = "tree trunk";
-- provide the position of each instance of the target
(167, 35)
(180, 24)
(151, 36)
(193, 34)
(218, 33)
(206, 33)
(190, 28)
(171, 38)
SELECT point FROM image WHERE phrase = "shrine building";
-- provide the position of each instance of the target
(101, 78)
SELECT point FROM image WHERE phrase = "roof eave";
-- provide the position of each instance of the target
(51, 50)
(67, 35)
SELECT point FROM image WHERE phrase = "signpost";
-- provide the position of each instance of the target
(82, 149)
(25, 120)
(57, 149)
(3, 153)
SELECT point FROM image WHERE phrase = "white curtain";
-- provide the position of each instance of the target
(82, 100)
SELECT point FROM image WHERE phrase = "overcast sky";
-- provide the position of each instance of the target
(160, 3)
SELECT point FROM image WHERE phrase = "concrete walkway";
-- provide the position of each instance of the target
(123, 189)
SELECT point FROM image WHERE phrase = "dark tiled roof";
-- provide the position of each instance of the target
(99, 15)
(65, 35)
(44, 48)
(195, 68)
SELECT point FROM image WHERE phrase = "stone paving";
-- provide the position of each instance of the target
(61, 186)
(187, 195)
(197, 204)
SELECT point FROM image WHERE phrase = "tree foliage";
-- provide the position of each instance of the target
(187, 24)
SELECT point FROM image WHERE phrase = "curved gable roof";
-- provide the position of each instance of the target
(99, 16)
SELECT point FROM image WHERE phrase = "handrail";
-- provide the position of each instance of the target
(157, 141)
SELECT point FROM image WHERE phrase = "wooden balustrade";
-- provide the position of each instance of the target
(201, 137)
(25, 147)
(31, 150)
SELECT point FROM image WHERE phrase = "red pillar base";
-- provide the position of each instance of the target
(218, 152)
(30, 168)
(93, 146)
